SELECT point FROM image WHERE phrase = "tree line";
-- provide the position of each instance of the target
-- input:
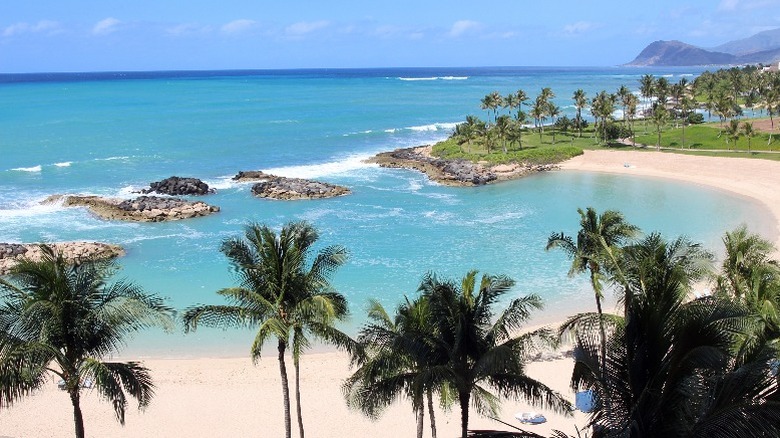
(668, 364)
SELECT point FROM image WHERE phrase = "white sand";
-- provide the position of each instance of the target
(230, 397)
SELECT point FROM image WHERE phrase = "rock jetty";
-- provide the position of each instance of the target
(286, 189)
(178, 186)
(454, 172)
(140, 209)
(75, 252)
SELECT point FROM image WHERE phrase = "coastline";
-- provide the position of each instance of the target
(756, 179)
(192, 393)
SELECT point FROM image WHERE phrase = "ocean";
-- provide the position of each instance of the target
(112, 133)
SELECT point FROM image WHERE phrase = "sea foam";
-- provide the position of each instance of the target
(63, 164)
(350, 163)
(28, 169)
(436, 78)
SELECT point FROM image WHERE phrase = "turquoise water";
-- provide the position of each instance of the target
(109, 136)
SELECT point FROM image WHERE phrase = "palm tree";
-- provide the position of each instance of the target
(598, 241)
(480, 350)
(602, 107)
(673, 369)
(732, 132)
(623, 94)
(647, 88)
(503, 126)
(747, 130)
(401, 354)
(281, 296)
(580, 102)
(538, 112)
(63, 319)
(491, 102)
(631, 109)
(511, 102)
(745, 254)
(660, 118)
(554, 111)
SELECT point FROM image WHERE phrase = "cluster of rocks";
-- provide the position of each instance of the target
(455, 172)
(140, 209)
(74, 252)
(179, 186)
(279, 187)
(449, 172)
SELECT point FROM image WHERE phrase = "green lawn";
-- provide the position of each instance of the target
(709, 136)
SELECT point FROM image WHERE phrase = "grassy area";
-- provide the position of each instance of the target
(709, 136)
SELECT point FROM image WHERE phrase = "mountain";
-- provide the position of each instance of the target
(677, 53)
(763, 47)
(760, 42)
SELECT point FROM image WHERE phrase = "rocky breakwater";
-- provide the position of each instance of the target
(140, 209)
(448, 172)
(455, 172)
(179, 186)
(279, 187)
(74, 252)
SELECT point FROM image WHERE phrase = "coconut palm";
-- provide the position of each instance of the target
(64, 319)
(503, 127)
(602, 107)
(554, 111)
(492, 102)
(672, 366)
(481, 352)
(623, 94)
(598, 241)
(580, 102)
(659, 118)
(282, 295)
(511, 102)
(631, 109)
(401, 354)
(732, 132)
(539, 113)
(745, 253)
(748, 132)
(647, 89)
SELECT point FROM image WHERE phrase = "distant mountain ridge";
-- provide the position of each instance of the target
(763, 47)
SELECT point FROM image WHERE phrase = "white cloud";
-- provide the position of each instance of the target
(728, 5)
(187, 29)
(305, 27)
(579, 28)
(106, 26)
(43, 26)
(461, 27)
(238, 26)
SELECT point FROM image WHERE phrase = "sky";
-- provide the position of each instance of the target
(137, 35)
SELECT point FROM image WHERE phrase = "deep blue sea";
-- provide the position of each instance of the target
(112, 133)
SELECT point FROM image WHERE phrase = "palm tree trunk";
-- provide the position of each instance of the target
(420, 420)
(77, 417)
(464, 413)
(296, 363)
(285, 390)
(430, 411)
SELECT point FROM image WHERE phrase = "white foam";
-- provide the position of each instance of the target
(348, 164)
(222, 183)
(433, 127)
(28, 169)
(124, 157)
(30, 209)
(436, 78)
(64, 164)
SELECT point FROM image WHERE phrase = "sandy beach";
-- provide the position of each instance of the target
(231, 397)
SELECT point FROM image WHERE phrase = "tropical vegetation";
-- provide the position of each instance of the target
(284, 293)
(64, 319)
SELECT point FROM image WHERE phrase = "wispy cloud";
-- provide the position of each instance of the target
(106, 26)
(43, 26)
(185, 29)
(728, 5)
(238, 26)
(302, 28)
(579, 28)
(463, 26)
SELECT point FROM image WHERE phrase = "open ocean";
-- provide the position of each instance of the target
(112, 133)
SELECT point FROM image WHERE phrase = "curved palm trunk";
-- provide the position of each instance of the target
(430, 411)
(464, 413)
(296, 363)
(285, 390)
(77, 417)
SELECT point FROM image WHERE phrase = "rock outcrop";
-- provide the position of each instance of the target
(455, 172)
(75, 252)
(287, 189)
(179, 186)
(140, 209)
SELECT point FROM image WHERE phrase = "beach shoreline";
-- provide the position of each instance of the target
(226, 397)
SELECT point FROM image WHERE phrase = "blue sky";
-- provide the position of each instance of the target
(106, 35)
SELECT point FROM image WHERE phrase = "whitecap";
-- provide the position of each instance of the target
(28, 169)
(64, 164)
(433, 127)
(222, 183)
(435, 78)
(348, 164)
(418, 79)
(122, 157)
